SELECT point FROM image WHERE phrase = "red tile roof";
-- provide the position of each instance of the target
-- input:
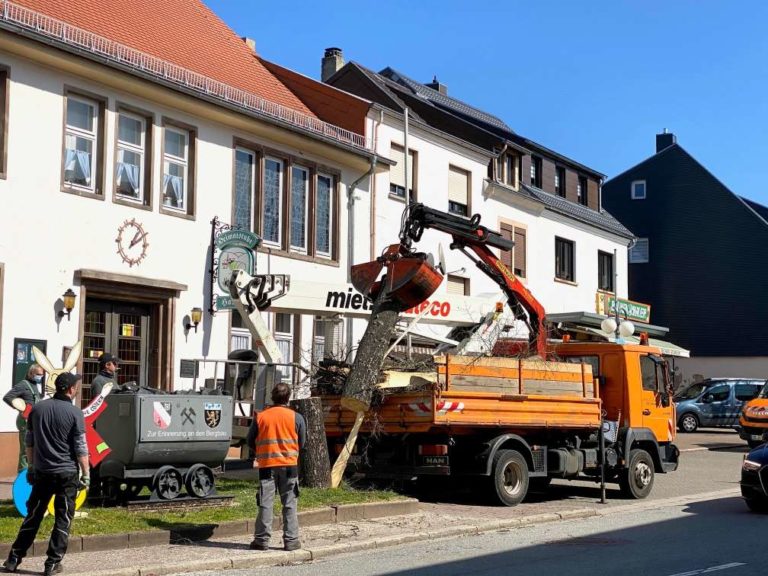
(183, 32)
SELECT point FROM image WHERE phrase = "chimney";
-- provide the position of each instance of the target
(251, 43)
(435, 85)
(332, 62)
(664, 140)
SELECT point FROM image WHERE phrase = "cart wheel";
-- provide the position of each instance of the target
(199, 481)
(167, 483)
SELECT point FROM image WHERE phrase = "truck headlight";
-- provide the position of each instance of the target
(750, 466)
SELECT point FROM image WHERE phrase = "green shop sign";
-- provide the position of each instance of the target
(635, 311)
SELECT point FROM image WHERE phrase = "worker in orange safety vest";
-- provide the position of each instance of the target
(276, 435)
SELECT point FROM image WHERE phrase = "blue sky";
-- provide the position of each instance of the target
(594, 80)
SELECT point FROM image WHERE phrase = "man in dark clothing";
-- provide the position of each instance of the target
(56, 448)
(276, 436)
(25, 394)
(107, 370)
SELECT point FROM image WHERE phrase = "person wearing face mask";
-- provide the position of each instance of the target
(30, 391)
(107, 373)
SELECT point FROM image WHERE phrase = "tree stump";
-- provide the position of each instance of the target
(358, 389)
(314, 463)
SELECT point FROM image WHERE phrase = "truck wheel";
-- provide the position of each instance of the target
(510, 477)
(637, 480)
(688, 423)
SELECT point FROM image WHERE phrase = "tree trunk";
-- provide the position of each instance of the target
(358, 389)
(314, 463)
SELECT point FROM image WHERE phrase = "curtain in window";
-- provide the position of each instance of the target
(298, 208)
(131, 173)
(243, 188)
(323, 212)
(272, 201)
(285, 346)
(78, 162)
(174, 190)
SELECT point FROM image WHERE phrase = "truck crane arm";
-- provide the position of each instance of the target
(468, 235)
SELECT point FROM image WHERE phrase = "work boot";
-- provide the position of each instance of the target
(256, 545)
(291, 546)
(51, 569)
(12, 564)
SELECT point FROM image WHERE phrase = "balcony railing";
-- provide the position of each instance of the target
(43, 25)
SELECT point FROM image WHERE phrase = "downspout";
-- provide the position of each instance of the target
(372, 238)
(351, 236)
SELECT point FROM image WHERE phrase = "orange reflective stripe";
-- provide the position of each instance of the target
(277, 443)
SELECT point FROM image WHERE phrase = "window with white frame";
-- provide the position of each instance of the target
(81, 142)
(272, 193)
(245, 162)
(458, 191)
(176, 168)
(324, 215)
(638, 190)
(240, 336)
(299, 207)
(283, 330)
(640, 252)
(131, 155)
(565, 262)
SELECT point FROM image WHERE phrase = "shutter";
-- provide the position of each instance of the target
(458, 186)
(397, 172)
(457, 285)
(520, 245)
(507, 233)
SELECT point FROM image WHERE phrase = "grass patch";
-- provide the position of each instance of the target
(119, 520)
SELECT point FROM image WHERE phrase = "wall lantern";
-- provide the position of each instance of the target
(195, 315)
(69, 303)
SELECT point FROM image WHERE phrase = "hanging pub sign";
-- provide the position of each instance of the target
(635, 311)
(231, 249)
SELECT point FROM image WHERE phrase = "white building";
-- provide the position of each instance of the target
(118, 151)
(466, 161)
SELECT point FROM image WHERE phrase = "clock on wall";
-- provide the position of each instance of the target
(132, 242)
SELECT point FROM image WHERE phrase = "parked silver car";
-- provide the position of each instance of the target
(714, 402)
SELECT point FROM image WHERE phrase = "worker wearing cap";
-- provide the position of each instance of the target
(25, 394)
(107, 370)
(58, 466)
(276, 435)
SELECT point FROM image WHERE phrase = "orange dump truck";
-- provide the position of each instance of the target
(515, 422)
(511, 421)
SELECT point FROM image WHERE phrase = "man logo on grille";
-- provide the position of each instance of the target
(212, 414)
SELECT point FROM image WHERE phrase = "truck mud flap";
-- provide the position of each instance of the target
(670, 457)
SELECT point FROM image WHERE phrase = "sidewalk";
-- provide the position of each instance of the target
(350, 535)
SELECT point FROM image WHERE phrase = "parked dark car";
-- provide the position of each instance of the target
(754, 479)
(714, 402)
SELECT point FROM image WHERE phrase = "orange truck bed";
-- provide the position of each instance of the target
(467, 392)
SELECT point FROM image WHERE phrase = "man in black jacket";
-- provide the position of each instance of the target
(29, 392)
(107, 373)
(56, 448)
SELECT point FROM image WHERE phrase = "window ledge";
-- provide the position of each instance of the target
(125, 202)
(297, 256)
(396, 197)
(177, 214)
(568, 282)
(83, 193)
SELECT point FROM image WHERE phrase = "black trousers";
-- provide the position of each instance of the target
(64, 488)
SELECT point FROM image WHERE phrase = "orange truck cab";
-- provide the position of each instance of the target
(753, 421)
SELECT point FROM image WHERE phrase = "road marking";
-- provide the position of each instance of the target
(711, 569)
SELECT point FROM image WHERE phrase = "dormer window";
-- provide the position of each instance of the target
(508, 169)
(536, 171)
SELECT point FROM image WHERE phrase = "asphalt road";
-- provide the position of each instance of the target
(674, 541)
